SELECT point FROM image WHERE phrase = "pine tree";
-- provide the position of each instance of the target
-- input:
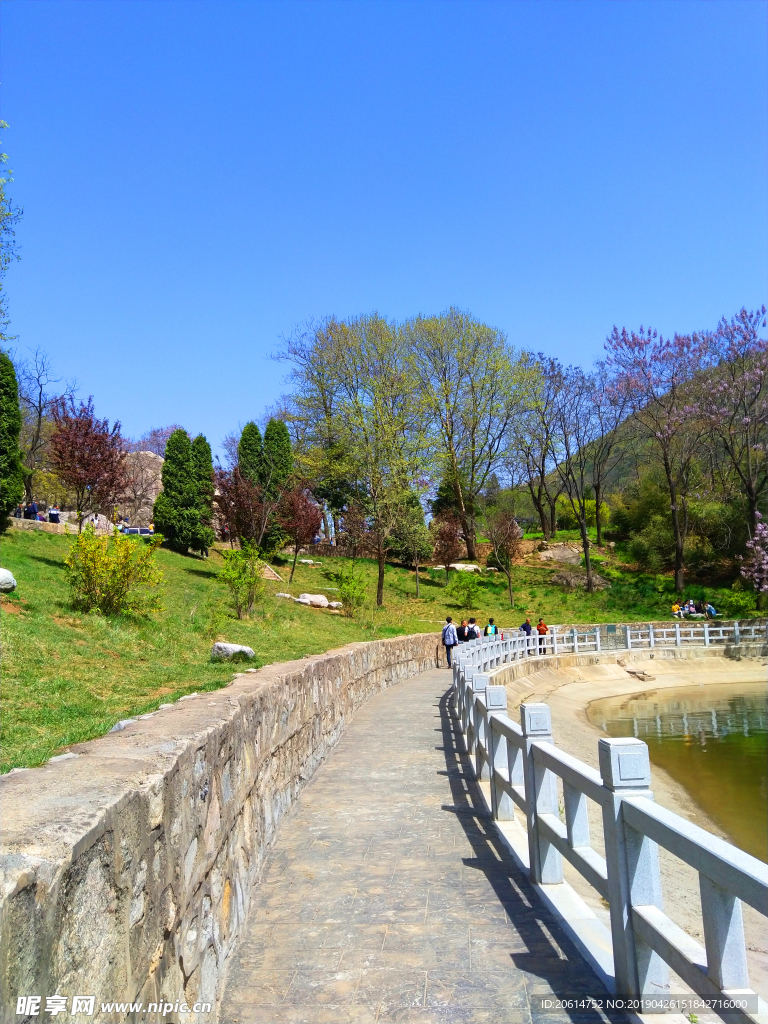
(202, 471)
(277, 464)
(177, 509)
(11, 474)
(276, 469)
(250, 453)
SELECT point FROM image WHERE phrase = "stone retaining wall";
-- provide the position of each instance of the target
(126, 866)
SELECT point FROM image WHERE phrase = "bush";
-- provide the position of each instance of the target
(105, 573)
(465, 589)
(736, 603)
(352, 588)
(242, 575)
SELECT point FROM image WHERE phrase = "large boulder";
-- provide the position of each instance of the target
(314, 600)
(7, 581)
(223, 650)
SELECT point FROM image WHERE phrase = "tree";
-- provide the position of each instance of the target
(87, 454)
(300, 517)
(11, 471)
(9, 218)
(238, 505)
(38, 396)
(734, 400)
(471, 385)
(243, 576)
(353, 526)
(106, 573)
(534, 447)
(655, 376)
(755, 568)
(276, 470)
(155, 440)
(504, 533)
(446, 533)
(411, 537)
(250, 454)
(182, 513)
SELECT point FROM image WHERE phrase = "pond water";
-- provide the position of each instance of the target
(713, 740)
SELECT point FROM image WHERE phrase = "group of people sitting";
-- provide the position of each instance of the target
(469, 630)
(691, 609)
(34, 510)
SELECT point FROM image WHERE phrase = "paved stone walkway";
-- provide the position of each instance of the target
(389, 898)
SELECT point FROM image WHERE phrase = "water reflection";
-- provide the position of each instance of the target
(712, 740)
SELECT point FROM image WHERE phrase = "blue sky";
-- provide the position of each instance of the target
(199, 177)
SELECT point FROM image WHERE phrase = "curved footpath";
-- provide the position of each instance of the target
(389, 896)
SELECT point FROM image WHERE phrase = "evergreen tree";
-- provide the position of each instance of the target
(250, 453)
(11, 474)
(277, 460)
(276, 469)
(202, 471)
(183, 509)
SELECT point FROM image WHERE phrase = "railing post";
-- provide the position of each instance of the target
(723, 936)
(678, 641)
(480, 718)
(575, 641)
(736, 631)
(632, 862)
(502, 807)
(540, 795)
(597, 639)
(627, 638)
(651, 635)
(706, 634)
(554, 641)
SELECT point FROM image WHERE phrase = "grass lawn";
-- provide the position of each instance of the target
(68, 677)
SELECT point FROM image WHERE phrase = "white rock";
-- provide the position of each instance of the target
(124, 723)
(306, 561)
(222, 650)
(464, 567)
(335, 604)
(315, 600)
(7, 581)
(284, 595)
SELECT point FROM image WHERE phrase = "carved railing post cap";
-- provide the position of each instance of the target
(536, 719)
(624, 763)
(480, 681)
(496, 698)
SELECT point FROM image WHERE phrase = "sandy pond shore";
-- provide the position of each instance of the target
(569, 691)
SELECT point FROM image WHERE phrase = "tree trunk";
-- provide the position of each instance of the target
(335, 521)
(417, 575)
(511, 594)
(293, 567)
(677, 531)
(467, 524)
(380, 585)
(587, 558)
(598, 518)
(552, 518)
(538, 504)
(326, 528)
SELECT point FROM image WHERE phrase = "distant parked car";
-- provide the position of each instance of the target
(140, 531)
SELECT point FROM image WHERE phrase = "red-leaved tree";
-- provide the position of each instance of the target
(300, 517)
(238, 505)
(88, 456)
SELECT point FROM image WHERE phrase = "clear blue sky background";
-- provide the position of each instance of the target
(199, 177)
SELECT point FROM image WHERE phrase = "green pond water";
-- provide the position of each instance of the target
(713, 740)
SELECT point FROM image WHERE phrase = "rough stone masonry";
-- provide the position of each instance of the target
(126, 865)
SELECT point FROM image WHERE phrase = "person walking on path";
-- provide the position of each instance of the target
(450, 639)
(490, 629)
(473, 630)
(542, 629)
(461, 632)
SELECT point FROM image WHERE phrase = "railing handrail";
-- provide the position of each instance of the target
(522, 764)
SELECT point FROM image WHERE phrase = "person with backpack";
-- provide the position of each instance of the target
(490, 629)
(450, 639)
(473, 630)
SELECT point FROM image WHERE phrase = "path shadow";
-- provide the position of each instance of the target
(552, 957)
(52, 562)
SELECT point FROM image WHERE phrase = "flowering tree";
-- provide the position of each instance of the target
(734, 401)
(755, 568)
(300, 517)
(655, 376)
(87, 454)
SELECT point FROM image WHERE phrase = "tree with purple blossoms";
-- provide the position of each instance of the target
(755, 567)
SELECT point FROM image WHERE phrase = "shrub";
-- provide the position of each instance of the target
(242, 576)
(352, 588)
(465, 589)
(736, 603)
(106, 573)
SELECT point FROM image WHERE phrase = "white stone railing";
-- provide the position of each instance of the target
(520, 766)
(585, 640)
